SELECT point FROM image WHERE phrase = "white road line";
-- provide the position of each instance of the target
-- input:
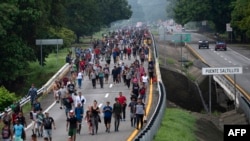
(110, 86)
(107, 94)
(31, 124)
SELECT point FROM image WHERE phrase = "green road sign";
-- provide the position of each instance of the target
(182, 37)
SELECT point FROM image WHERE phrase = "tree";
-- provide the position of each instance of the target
(195, 10)
(240, 21)
(6, 98)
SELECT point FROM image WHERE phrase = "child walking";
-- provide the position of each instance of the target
(87, 118)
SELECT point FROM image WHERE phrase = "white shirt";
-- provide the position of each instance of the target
(144, 79)
(78, 99)
(80, 75)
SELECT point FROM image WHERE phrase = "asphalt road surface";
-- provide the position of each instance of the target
(108, 93)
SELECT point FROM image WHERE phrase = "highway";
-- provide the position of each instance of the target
(108, 93)
(229, 58)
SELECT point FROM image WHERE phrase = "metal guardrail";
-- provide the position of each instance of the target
(153, 124)
(234, 93)
(45, 88)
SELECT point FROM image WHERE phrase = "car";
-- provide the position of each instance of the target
(220, 45)
(203, 44)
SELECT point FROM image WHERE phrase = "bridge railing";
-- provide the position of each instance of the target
(45, 88)
(154, 122)
(234, 93)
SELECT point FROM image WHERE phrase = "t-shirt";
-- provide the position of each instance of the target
(39, 117)
(47, 122)
(117, 108)
(79, 75)
(122, 100)
(71, 88)
(6, 132)
(107, 111)
(18, 130)
(132, 106)
(72, 122)
(139, 108)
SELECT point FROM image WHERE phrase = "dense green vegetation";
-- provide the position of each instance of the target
(24, 21)
(217, 13)
(177, 125)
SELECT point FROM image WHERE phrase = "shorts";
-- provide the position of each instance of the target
(48, 133)
(71, 132)
(38, 124)
(18, 139)
(107, 120)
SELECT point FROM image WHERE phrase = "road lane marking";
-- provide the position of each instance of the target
(110, 86)
(31, 124)
(107, 94)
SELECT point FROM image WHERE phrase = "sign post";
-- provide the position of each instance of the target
(219, 71)
(229, 29)
(42, 42)
(184, 37)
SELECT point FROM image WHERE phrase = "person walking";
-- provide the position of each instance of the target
(36, 105)
(18, 131)
(107, 111)
(132, 111)
(117, 110)
(95, 118)
(39, 122)
(87, 119)
(142, 92)
(106, 73)
(47, 124)
(6, 131)
(68, 103)
(93, 78)
(79, 79)
(101, 77)
(79, 116)
(33, 94)
(80, 99)
(72, 125)
(139, 111)
(6, 118)
(122, 100)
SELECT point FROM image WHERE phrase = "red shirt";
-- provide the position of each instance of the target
(122, 99)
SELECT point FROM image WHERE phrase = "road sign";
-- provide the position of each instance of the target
(227, 70)
(182, 38)
(42, 42)
(49, 41)
(229, 28)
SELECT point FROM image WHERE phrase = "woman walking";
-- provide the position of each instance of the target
(95, 118)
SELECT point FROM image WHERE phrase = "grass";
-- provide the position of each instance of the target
(39, 75)
(177, 125)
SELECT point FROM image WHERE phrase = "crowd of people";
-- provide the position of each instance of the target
(132, 44)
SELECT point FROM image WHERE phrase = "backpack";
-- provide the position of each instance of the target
(5, 132)
(47, 122)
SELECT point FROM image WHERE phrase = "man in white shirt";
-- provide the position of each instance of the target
(79, 99)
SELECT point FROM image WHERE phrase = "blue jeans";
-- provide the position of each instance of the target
(79, 83)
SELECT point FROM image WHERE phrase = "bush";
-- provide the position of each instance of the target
(6, 98)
